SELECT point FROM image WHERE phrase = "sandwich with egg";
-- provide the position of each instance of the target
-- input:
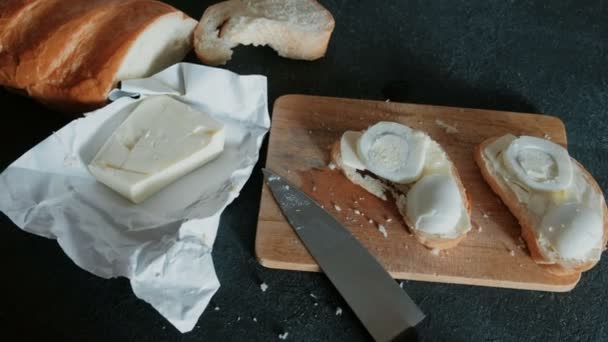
(560, 207)
(393, 161)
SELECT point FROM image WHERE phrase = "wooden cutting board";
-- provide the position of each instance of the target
(303, 128)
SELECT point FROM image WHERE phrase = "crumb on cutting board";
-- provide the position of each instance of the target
(448, 128)
(382, 230)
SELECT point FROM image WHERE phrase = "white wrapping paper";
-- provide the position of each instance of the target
(164, 244)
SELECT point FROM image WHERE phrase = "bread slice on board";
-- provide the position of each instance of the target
(529, 222)
(69, 54)
(386, 190)
(297, 29)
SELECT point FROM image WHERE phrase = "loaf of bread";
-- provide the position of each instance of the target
(297, 29)
(68, 54)
(565, 228)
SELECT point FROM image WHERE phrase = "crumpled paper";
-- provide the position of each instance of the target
(164, 244)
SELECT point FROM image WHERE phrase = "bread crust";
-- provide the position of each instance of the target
(521, 213)
(427, 240)
(217, 33)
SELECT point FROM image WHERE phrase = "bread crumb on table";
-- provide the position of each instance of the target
(332, 166)
(435, 251)
(263, 287)
(511, 252)
(283, 336)
(338, 311)
(337, 207)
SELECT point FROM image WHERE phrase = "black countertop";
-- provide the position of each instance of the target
(531, 56)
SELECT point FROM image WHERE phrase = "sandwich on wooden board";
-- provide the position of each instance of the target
(560, 207)
(395, 162)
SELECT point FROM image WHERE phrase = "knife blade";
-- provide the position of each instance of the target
(381, 305)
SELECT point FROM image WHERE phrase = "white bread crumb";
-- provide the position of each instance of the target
(337, 207)
(382, 230)
(435, 251)
(357, 212)
(332, 166)
(448, 128)
(313, 296)
(283, 336)
(339, 311)
(511, 252)
(255, 319)
(217, 308)
(480, 229)
(263, 287)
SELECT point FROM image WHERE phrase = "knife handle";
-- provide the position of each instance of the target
(409, 335)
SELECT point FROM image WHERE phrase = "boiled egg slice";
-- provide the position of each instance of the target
(434, 204)
(393, 151)
(540, 164)
(573, 231)
(348, 150)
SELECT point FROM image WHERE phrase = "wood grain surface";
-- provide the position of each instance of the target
(304, 127)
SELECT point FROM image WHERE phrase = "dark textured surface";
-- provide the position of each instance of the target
(533, 56)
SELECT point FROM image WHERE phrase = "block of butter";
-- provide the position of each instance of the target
(159, 142)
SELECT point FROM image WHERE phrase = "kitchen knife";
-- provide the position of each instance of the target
(385, 310)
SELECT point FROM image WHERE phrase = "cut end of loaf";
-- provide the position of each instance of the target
(164, 43)
(297, 29)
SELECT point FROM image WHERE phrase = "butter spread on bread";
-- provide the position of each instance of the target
(558, 204)
(393, 160)
(159, 142)
(297, 29)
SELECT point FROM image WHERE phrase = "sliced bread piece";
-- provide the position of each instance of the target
(568, 234)
(425, 207)
(297, 29)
